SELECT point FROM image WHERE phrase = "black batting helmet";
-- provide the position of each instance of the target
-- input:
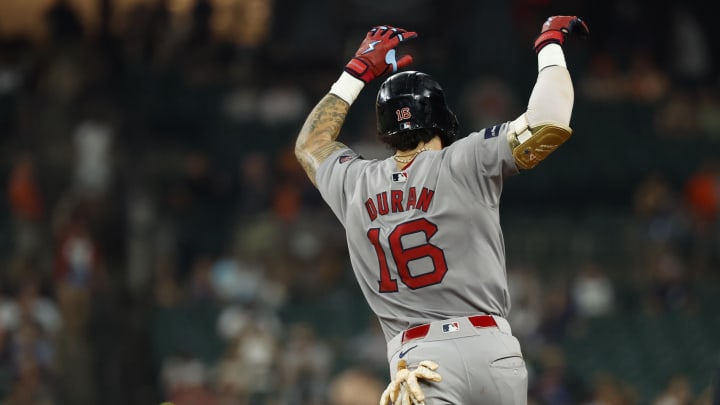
(411, 100)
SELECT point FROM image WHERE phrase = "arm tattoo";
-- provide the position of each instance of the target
(316, 140)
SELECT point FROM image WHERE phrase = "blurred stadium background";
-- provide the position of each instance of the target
(159, 242)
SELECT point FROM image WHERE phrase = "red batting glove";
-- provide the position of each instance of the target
(557, 28)
(376, 55)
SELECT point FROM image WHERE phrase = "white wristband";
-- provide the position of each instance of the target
(549, 55)
(347, 87)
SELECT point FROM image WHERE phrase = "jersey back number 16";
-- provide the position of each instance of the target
(402, 256)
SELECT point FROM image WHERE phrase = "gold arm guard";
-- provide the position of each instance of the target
(530, 146)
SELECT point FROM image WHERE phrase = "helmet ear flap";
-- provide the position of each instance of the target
(412, 100)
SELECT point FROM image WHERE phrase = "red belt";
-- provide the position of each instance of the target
(420, 331)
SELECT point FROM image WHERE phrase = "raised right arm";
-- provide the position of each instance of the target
(546, 123)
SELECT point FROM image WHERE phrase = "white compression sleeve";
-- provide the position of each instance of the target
(552, 97)
(550, 55)
(347, 87)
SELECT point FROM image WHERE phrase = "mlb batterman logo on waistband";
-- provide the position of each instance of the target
(450, 327)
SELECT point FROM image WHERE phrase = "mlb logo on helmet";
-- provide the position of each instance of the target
(450, 327)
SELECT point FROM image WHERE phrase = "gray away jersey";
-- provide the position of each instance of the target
(425, 242)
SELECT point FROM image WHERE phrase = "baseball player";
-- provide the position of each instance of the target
(423, 227)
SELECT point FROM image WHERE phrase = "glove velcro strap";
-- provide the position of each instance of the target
(549, 37)
(359, 69)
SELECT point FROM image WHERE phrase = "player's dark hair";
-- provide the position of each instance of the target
(408, 140)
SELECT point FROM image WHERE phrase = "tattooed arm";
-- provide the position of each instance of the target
(374, 58)
(316, 140)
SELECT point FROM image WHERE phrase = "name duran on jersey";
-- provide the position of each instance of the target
(398, 201)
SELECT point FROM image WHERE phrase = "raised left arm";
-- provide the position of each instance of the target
(374, 58)
(317, 138)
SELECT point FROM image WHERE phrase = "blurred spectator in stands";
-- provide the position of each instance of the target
(141, 238)
(368, 349)
(287, 202)
(79, 275)
(61, 78)
(256, 182)
(201, 13)
(245, 23)
(282, 104)
(713, 390)
(247, 372)
(30, 306)
(185, 381)
(64, 24)
(30, 389)
(526, 295)
(676, 392)
(289, 173)
(675, 116)
(26, 200)
(689, 47)
(201, 283)
(306, 366)
(258, 238)
(603, 81)
(30, 350)
(592, 292)
(167, 293)
(705, 397)
(662, 223)
(485, 101)
(558, 313)
(648, 83)
(355, 386)
(7, 366)
(93, 158)
(27, 207)
(33, 350)
(235, 281)
(75, 359)
(259, 310)
(607, 390)
(78, 256)
(702, 194)
(707, 113)
(553, 384)
(239, 103)
(14, 64)
(669, 284)
(201, 200)
(149, 33)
